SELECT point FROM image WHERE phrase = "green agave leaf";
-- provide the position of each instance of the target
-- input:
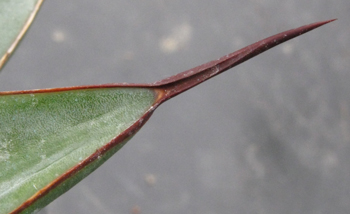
(43, 135)
(51, 139)
(15, 19)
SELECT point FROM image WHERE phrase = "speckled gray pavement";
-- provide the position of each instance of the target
(270, 136)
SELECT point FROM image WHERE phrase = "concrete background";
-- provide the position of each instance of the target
(269, 136)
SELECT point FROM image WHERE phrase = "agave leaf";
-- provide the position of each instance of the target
(50, 139)
(15, 19)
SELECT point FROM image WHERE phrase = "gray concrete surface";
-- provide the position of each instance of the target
(270, 136)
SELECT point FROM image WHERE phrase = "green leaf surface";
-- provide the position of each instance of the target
(42, 135)
(15, 18)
